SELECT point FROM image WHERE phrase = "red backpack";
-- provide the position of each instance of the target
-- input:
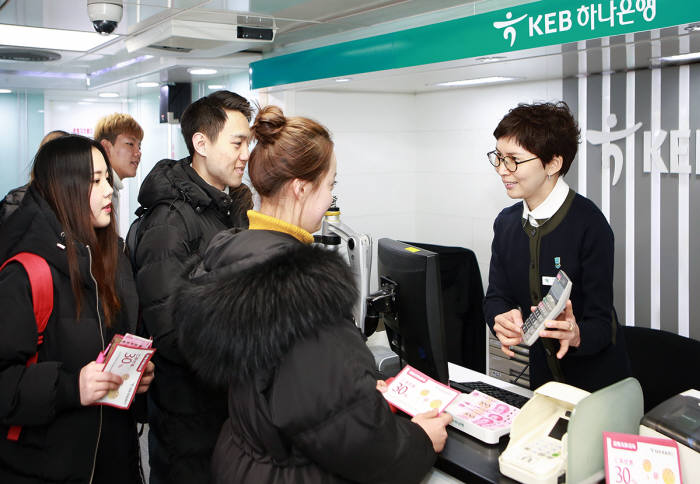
(41, 283)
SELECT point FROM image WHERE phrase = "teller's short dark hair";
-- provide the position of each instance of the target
(543, 129)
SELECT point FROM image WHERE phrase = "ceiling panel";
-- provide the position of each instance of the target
(301, 24)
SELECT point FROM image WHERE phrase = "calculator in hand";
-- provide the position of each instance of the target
(549, 308)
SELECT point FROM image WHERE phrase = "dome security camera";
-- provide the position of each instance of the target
(105, 15)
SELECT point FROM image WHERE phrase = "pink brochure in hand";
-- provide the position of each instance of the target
(415, 392)
(128, 361)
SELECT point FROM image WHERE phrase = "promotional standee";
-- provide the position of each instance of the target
(634, 458)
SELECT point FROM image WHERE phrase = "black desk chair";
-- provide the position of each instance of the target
(665, 363)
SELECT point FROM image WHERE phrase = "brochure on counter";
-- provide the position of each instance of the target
(127, 356)
(639, 459)
(475, 413)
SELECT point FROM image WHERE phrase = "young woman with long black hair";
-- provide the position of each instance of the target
(66, 218)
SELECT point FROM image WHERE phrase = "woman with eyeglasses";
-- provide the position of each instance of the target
(553, 228)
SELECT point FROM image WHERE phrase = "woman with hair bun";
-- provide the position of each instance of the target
(66, 219)
(269, 316)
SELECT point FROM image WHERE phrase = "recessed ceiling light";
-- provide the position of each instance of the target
(147, 84)
(201, 71)
(215, 86)
(343, 79)
(477, 82)
(5, 91)
(51, 75)
(121, 65)
(681, 57)
(490, 58)
(56, 39)
(108, 94)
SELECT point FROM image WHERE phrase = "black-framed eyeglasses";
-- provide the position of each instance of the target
(511, 164)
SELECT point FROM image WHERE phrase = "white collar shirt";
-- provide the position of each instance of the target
(549, 206)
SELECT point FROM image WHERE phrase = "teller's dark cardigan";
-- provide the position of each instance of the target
(581, 238)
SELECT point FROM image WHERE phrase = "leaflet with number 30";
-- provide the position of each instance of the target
(414, 392)
(129, 362)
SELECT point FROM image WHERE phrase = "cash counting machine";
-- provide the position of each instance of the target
(557, 436)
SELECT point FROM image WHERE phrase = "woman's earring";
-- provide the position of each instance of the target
(549, 177)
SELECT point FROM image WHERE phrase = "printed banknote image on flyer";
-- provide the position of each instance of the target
(128, 361)
(414, 392)
(482, 416)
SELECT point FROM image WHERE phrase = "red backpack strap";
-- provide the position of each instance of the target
(41, 284)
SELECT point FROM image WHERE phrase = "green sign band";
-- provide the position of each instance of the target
(538, 24)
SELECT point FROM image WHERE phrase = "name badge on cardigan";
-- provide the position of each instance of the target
(547, 281)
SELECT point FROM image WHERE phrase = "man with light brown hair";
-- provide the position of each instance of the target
(121, 137)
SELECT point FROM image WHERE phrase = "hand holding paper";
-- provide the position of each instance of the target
(94, 383)
(129, 359)
(147, 378)
(415, 393)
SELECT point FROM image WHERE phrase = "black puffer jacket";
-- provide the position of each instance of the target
(275, 323)
(184, 415)
(11, 202)
(61, 441)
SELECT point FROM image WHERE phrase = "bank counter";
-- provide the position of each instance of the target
(466, 458)
(577, 419)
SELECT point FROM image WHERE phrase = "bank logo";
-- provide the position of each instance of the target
(679, 150)
(606, 14)
(509, 31)
(611, 151)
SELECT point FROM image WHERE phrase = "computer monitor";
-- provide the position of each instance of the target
(415, 327)
(462, 305)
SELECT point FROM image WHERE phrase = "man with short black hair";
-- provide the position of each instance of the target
(186, 202)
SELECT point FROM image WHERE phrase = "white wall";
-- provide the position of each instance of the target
(373, 135)
(410, 167)
(414, 167)
(22, 118)
(459, 193)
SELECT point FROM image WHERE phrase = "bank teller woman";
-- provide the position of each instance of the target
(269, 315)
(552, 228)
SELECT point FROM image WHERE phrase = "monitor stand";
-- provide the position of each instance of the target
(387, 361)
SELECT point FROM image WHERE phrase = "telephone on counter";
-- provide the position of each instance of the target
(538, 447)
